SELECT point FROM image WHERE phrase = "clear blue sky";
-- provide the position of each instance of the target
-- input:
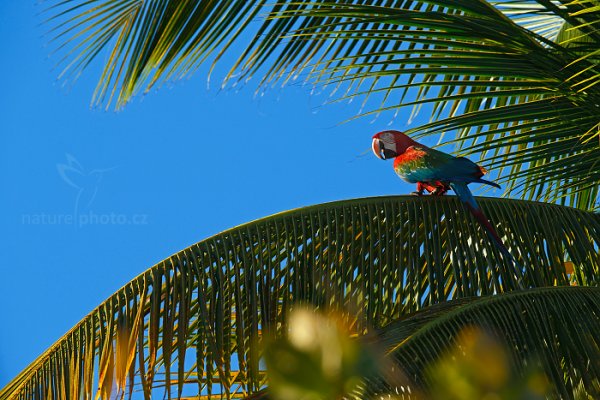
(173, 168)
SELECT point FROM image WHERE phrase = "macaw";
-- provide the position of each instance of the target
(436, 172)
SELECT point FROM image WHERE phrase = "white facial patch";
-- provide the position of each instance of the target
(388, 139)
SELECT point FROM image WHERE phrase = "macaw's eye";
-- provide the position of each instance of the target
(388, 153)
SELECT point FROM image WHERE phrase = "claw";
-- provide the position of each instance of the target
(439, 191)
(417, 193)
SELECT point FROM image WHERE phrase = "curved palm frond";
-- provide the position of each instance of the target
(532, 16)
(556, 329)
(528, 104)
(191, 324)
(148, 41)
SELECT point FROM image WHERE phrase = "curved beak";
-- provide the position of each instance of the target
(377, 148)
(380, 151)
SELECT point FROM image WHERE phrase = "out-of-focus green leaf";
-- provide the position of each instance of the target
(545, 331)
(317, 359)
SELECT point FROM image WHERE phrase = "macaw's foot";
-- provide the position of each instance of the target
(420, 189)
(439, 191)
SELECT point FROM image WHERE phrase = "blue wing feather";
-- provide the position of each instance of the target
(428, 165)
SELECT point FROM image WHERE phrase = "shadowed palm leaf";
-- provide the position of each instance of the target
(192, 324)
(554, 326)
(516, 81)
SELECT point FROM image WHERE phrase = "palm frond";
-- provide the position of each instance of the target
(148, 41)
(532, 16)
(484, 77)
(515, 73)
(191, 325)
(555, 328)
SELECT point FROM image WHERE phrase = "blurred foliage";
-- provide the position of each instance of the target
(480, 367)
(317, 359)
(580, 393)
(320, 359)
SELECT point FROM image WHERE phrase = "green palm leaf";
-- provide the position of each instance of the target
(191, 325)
(517, 81)
(528, 105)
(556, 327)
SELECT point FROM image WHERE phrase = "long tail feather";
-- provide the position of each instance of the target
(485, 181)
(464, 194)
(477, 180)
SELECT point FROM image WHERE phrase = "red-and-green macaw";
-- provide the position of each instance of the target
(436, 172)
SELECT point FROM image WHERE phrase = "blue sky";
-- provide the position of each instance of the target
(93, 198)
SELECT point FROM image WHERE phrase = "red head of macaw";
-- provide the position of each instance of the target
(390, 144)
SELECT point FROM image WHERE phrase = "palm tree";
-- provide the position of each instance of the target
(515, 81)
